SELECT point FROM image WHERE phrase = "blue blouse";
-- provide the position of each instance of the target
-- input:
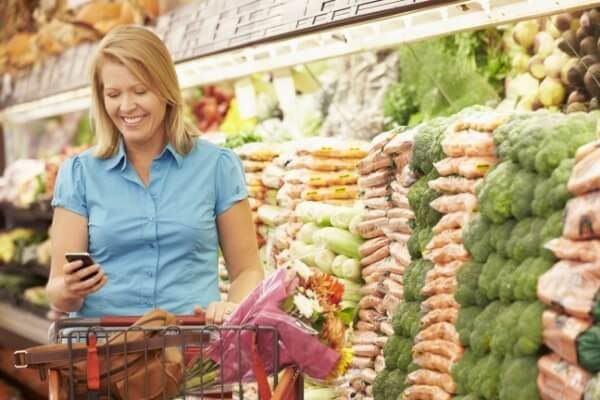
(158, 244)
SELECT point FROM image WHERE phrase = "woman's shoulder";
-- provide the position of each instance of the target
(206, 150)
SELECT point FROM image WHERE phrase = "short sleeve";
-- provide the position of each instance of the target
(230, 181)
(69, 191)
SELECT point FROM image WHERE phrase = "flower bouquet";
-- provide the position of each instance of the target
(303, 305)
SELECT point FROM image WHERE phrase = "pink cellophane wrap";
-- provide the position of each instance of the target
(297, 345)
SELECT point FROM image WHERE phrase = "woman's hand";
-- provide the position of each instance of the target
(75, 286)
(217, 312)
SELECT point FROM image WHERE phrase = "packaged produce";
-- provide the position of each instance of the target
(572, 286)
(439, 331)
(455, 203)
(585, 177)
(439, 315)
(452, 221)
(560, 380)
(374, 162)
(580, 250)
(372, 245)
(439, 301)
(400, 213)
(380, 191)
(561, 333)
(417, 392)
(375, 179)
(468, 143)
(454, 184)
(467, 167)
(582, 221)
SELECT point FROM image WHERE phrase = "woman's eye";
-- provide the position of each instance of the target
(112, 95)
(140, 92)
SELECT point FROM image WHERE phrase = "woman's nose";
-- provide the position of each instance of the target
(127, 103)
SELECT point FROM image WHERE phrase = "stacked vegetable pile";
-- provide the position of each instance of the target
(437, 346)
(256, 157)
(558, 61)
(571, 286)
(325, 242)
(384, 254)
(317, 169)
(404, 326)
(521, 204)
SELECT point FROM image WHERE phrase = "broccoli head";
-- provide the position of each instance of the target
(505, 334)
(559, 194)
(413, 245)
(468, 278)
(476, 238)
(465, 323)
(521, 192)
(394, 384)
(419, 198)
(460, 371)
(406, 320)
(483, 328)
(518, 379)
(552, 229)
(414, 279)
(525, 277)
(529, 330)
(485, 377)
(506, 288)
(427, 147)
(379, 384)
(500, 235)
(495, 201)
(397, 353)
(527, 145)
(542, 205)
(525, 239)
(488, 279)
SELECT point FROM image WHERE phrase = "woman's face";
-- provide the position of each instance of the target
(135, 109)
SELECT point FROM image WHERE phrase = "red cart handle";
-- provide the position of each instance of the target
(127, 320)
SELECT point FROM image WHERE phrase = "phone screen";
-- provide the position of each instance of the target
(87, 261)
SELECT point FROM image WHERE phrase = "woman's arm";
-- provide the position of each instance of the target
(237, 236)
(65, 290)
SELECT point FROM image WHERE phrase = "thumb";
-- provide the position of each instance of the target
(199, 311)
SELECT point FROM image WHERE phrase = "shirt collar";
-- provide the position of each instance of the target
(121, 156)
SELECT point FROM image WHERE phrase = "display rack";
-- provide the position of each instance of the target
(215, 41)
(30, 327)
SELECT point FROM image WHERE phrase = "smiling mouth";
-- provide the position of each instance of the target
(132, 120)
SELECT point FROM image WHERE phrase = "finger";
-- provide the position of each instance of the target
(210, 313)
(87, 271)
(69, 268)
(88, 284)
(219, 313)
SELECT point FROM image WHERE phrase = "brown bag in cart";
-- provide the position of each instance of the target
(137, 367)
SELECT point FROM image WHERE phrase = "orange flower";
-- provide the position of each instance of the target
(333, 331)
(328, 289)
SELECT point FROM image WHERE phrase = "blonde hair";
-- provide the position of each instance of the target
(146, 56)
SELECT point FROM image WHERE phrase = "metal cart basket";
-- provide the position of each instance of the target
(87, 337)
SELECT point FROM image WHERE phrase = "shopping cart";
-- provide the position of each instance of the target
(190, 336)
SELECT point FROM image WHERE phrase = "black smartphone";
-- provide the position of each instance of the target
(87, 261)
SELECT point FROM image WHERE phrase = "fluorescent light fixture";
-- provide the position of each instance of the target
(370, 35)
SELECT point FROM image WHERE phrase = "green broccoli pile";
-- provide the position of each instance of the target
(521, 203)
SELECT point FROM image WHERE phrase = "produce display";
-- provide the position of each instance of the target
(385, 227)
(558, 64)
(570, 329)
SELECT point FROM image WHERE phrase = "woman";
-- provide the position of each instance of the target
(150, 203)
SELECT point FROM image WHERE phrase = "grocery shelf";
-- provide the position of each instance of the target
(321, 40)
(21, 325)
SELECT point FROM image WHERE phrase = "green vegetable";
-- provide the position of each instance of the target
(552, 229)
(477, 238)
(484, 378)
(483, 328)
(399, 103)
(419, 198)
(488, 279)
(394, 384)
(505, 277)
(414, 249)
(521, 192)
(397, 353)
(526, 276)
(588, 346)
(336, 265)
(505, 334)
(351, 269)
(529, 330)
(234, 141)
(495, 200)
(552, 194)
(341, 241)
(414, 279)
(380, 384)
(324, 260)
(500, 235)
(466, 322)
(518, 379)
(460, 371)
(525, 239)
(406, 320)
(352, 292)
(307, 231)
(468, 284)
(342, 216)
